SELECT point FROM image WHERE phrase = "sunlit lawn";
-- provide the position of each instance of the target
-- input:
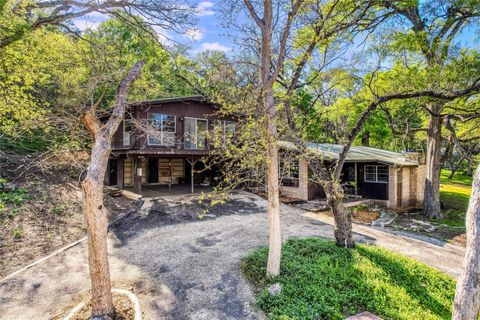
(323, 281)
(455, 194)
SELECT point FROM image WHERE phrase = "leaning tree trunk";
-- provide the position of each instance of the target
(452, 170)
(342, 216)
(93, 208)
(96, 218)
(431, 206)
(275, 238)
(467, 295)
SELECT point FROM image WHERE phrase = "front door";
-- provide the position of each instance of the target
(152, 170)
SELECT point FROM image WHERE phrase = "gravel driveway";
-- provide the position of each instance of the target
(180, 266)
(198, 260)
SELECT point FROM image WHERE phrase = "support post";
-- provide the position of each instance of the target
(192, 175)
(356, 180)
(170, 178)
(120, 172)
(137, 176)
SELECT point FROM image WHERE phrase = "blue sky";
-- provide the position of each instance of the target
(209, 35)
(206, 35)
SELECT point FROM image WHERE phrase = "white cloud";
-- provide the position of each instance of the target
(213, 46)
(89, 21)
(204, 8)
(195, 34)
(164, 37)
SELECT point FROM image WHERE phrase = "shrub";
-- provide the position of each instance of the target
(323, 281)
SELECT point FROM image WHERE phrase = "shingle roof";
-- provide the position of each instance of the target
(358, 154)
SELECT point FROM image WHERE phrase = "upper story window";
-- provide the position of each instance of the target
(127, 130)
(376, 174)
(227, 128)
(164, 130)
(289, 172)
(195, 133)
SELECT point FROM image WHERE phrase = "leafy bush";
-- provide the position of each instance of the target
(360, 207)
(323, 281)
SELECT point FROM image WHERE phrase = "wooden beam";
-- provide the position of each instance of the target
(192, 162)
(170, 178)
(137, 176)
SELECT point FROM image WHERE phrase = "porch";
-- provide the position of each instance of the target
(154, 175)
(151, 191)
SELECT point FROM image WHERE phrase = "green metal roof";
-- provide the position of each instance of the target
(357, 154)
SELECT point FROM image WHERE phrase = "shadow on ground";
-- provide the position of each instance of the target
(175, 210)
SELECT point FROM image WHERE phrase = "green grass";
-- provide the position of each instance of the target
(457, 178)
(323, 281)
(455, 193)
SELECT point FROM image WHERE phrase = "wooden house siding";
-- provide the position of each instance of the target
(179, 109)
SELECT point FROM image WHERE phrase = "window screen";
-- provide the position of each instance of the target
(377, 174)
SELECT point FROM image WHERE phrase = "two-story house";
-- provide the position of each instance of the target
(161, 142)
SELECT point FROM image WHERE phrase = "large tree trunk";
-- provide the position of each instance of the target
(275, 238)
(93, 208)
(467, 295)
(431, 206)
(96, 218)
(342, 216)
(269, 73)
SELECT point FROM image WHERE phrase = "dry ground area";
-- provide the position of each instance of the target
(182, 266)
(415, 222)
(123, 308)
(48, 215)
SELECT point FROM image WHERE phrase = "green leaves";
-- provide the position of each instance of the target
(323, 281)
(32, 74)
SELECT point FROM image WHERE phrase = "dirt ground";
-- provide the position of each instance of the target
(415, 222)
(50, 215)
(123, 308)
(183, 266)
(360, 216)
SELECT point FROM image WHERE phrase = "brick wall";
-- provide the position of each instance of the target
(421, 170)
(300, 192)
(392, 187)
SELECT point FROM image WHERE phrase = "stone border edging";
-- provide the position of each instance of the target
(68, 246)
(72, 312)
(133, 299)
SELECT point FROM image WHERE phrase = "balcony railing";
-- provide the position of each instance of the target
(162, 140)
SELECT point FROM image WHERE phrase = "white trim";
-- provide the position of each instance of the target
(196, 133)
(376, 173)
(162, 144)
